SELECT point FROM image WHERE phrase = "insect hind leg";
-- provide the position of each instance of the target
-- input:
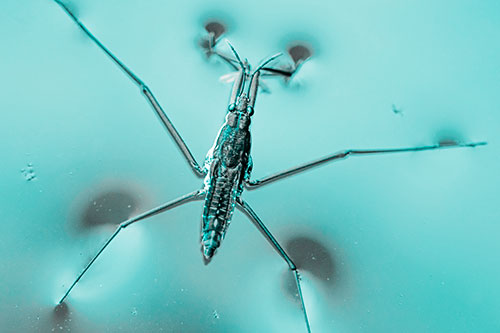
(245, 207)
(196, 195)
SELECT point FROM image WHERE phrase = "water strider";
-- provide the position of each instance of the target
(228, 164)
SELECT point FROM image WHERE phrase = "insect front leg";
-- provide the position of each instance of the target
(148, 94)
(245, 207)
(252, 184)
(196, 195)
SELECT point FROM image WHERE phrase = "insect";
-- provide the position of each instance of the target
(228, 165)
(397, 110)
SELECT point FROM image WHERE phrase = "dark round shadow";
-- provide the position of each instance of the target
(110, 207)
(311, 256)
(61, 317)
(215, 27)
(299, 52)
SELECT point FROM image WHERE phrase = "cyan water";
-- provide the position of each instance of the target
(401, 243)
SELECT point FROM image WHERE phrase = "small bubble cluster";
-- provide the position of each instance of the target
(29, 172)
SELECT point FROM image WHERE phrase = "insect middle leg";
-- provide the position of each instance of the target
(162, 116)
(252, 184)
(245, 207)
(196, 195)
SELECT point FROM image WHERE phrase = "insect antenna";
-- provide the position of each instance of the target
(268, 60)
(236, 55)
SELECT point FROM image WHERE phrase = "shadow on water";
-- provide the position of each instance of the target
(111, 206)
(299, 52)
(214, 30)
(61, 318)
(313, 257)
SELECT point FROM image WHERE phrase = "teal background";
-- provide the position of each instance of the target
(413, 237)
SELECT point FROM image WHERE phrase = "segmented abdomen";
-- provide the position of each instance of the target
(217, 213)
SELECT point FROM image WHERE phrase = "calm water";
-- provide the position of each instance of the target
(387, 244)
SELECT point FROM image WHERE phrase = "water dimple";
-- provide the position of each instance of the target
(299, 52)
(447, 142)
(29, 172)
(112, 206)
(215, 27)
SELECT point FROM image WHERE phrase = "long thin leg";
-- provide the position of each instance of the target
(245, 207)
(196, 195)
(146, 92)
(287, 73)
(252, 184)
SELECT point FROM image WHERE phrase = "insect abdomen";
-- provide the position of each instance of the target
(219, 207)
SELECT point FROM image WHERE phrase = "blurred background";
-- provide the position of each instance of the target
(406, 242)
